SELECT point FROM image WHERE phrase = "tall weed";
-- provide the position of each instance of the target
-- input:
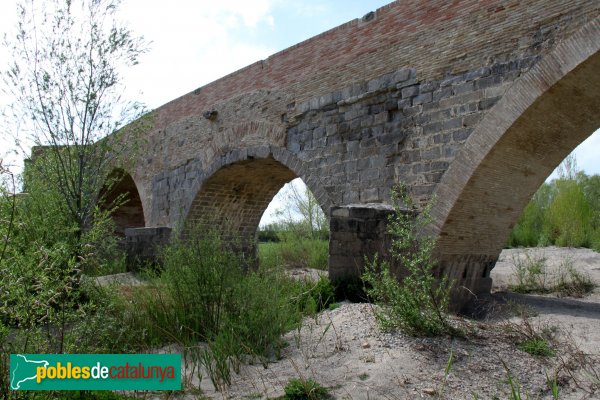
(295, 251)
(206, 295)
(419, 302)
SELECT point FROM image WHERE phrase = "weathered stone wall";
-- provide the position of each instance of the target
(365, 138)
(361, 106)
(358, 231)
(385, 99)
(355, 143)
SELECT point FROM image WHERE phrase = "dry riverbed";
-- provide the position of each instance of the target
(345, 351)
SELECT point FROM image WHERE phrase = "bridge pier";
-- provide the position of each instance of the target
(470, 274)
(142, 245)
(358, 232)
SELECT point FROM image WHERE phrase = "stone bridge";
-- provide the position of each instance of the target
(474, 102)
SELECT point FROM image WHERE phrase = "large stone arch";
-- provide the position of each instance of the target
(239, 187)
(539, 121)
(121, 195)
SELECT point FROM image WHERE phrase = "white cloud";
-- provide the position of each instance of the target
(310, 10)
(193, 43)
(588, 154)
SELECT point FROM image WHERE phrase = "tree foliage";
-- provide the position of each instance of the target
(302, 213)
(65, 83)
(563, 212)
(66, 90)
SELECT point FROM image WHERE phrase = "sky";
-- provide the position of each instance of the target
(194, 42)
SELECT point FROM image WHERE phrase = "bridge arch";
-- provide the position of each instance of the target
(240, 185)
(537, 123)
(121, 195)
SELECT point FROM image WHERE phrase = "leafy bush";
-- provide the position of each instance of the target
(418, 304)
(205, 294)
(300, 389)
(353, 289)
(318, 296)
(46, 303)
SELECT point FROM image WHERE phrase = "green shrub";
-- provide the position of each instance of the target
(533, 276)
(300, 389)
(318, 296)
(571, 282)
(204, 294)
(418, 304)
(353, 289)
(531, 273)
(536, 347)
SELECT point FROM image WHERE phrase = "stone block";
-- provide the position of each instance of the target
(143, 244)
(409, 91)
(402, 75)
(368, 195)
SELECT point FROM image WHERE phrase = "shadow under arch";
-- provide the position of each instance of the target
(120, 194)
(238, 189)
(537, 123)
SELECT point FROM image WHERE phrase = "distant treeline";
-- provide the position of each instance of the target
(563, 212)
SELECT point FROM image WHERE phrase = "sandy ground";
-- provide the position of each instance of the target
(345, 351)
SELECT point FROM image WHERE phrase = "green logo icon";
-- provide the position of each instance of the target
(23, 369)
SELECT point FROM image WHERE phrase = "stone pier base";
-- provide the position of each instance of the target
(356, 231)
(143, 244)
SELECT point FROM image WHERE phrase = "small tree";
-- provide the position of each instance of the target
(8, 207)
(64, 80)
(568, 169)
(419, 302)
(303, 212)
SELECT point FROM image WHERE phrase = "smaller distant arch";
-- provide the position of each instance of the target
(120, 195)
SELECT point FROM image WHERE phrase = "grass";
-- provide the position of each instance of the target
(295, 253)
(532, 337)
(305, 389)
(536, 347)
(534, 276)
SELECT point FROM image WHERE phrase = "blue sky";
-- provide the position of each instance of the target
(195, 42)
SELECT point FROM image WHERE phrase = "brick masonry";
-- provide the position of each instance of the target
(393, 98)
